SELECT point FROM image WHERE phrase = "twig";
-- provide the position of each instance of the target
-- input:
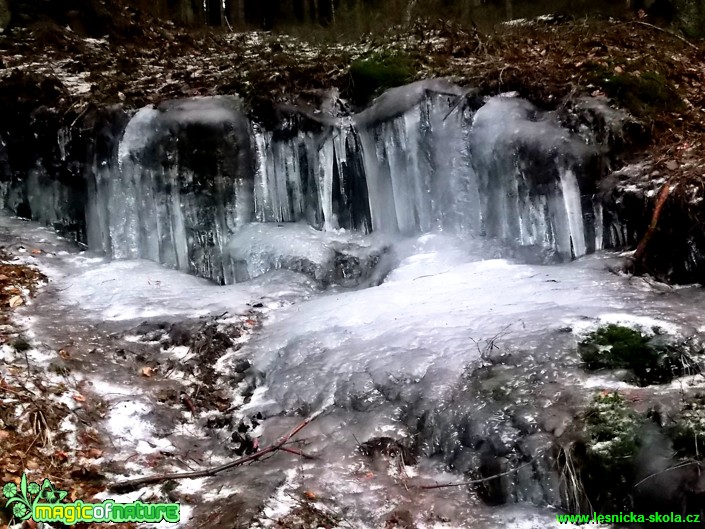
(476, 481)
(134, 484)
(188, 403)
(297, 452)
(676, 467)
(458, 101)
(666, 32)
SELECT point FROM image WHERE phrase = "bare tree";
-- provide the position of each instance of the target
(214, 12)
(235, 12)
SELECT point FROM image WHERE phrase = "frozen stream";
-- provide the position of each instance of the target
(416, 276)
(390, 360)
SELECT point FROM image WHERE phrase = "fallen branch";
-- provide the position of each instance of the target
(475, 481)
(666, 32)
(297, 452)
(134, 484)
(636, 261)
(676, 467)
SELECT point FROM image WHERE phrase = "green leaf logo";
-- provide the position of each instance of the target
(23, 499)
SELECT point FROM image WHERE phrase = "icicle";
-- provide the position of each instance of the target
(574, 212)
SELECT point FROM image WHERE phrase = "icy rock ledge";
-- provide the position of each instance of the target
(335, 257)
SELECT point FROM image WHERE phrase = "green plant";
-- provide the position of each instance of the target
(611, 436)
(370, 76)
(650, 360)
(688, 429)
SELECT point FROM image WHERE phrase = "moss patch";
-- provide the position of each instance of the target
(611, 442)
(648, 359)
(688, 432)
(645, 94)
(372, 75)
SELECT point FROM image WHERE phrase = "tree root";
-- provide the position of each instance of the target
(636, 262)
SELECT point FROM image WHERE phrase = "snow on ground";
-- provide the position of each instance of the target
(126, 290)
(416, 330)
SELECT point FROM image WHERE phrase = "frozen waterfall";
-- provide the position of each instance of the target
(187, 176)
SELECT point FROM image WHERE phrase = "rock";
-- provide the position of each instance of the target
(556, 421)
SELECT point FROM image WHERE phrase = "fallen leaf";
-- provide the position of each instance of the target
(310, 495)
(94, 453)
(3, 277)
(32, 464)
(36, 252)
(15, 301)
(60, 454)
(4, 434)
(79, 398)
(63, 353)
(618, 69)
(147, 371)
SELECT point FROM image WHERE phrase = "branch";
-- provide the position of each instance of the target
(666, 32)
(134, 484)
(637, 259)
(476, 481)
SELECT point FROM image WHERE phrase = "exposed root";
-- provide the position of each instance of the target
(575, 496)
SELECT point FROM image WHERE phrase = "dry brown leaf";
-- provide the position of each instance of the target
(147, 371)
(310, 495)
(15, 301)
(79, 398)
(4, 434)
(94, 453)
(3, 277)
(63, 353)
(36, 252)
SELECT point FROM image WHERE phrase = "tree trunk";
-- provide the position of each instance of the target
(199, 15)
(690, 16)
(4, 15)
(182, 11)
(214, 13)
(235, 11)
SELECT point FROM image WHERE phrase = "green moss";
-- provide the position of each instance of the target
(372, 75)
(650, 360)
(611, 432)
(646, 94)
(688, 429)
